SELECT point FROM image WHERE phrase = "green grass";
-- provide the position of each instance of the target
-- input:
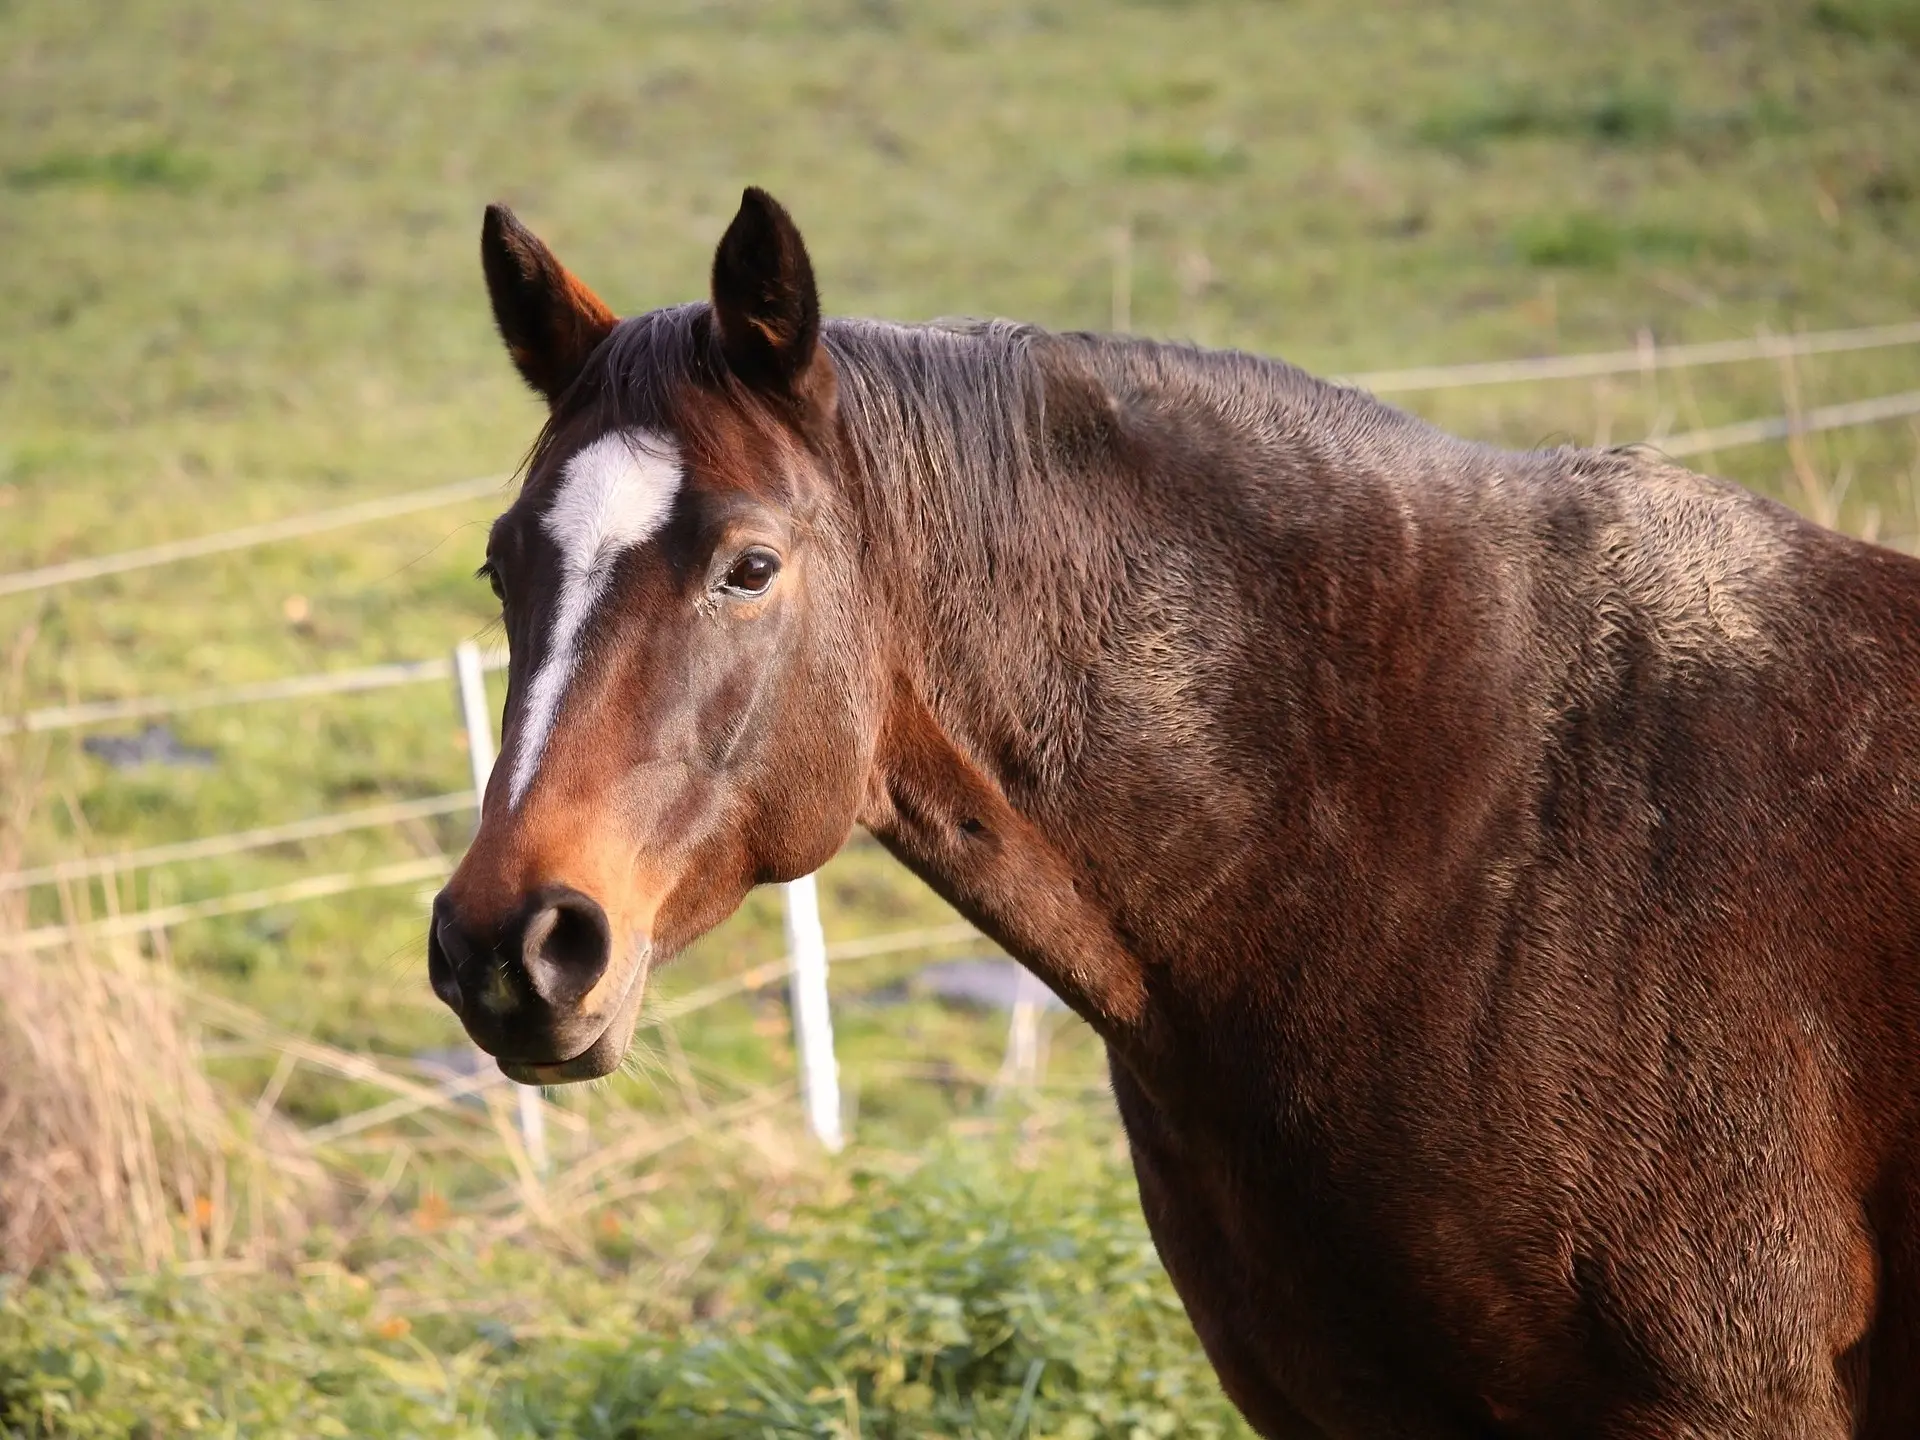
(984, 1294)
(1586, 240)
(150, 165)
(1617, 114)
(1215, 156)
(1642, 113)
(1894, 21)
(242, 283)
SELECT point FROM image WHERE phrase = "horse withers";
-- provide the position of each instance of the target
(1495, 876)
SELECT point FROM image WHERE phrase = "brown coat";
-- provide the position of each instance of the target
(1494, 875)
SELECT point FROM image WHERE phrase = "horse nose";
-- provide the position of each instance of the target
(565, 946)
(528, 972)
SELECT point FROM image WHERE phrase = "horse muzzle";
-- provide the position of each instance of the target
(547, 990)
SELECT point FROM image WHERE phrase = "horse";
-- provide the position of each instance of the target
(1494, 876)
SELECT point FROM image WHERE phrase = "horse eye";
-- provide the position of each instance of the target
(752, 573)
(493, 578)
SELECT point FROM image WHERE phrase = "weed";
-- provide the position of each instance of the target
(1184, 159)
(1638, 114)
(1618, 114)
(1587, 240)
(972, 1295)
(1895, 22)
(150, 167)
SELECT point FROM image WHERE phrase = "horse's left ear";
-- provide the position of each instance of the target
(766, 306)
(550, 321)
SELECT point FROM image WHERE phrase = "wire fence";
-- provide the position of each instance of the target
(1645, 357)
(1706, 440)
(237, 842)
(257, 692)
(1785, 427)
(291, 527)
(166, 917)
(803, 967)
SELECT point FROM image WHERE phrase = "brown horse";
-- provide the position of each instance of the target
(1495, 876)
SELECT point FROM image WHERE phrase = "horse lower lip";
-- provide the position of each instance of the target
(585, 1066)
(591, 1062)
(588, 1064)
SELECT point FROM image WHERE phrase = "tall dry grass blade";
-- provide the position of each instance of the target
(1696, 418)
(1814, 489)
(113, 1142)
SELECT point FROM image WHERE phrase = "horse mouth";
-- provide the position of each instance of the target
(601, 1057)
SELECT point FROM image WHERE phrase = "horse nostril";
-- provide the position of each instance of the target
(566, 947)
(445, 950)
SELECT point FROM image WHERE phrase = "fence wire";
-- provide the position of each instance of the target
(237, 842)
(288, 687)
(290, 527)
(1647, 356)
(1644, 357)
(1784, 427)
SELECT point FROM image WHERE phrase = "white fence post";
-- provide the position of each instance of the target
(473, 712)
(1022, 1065)
(812, 1018)
(479, 721)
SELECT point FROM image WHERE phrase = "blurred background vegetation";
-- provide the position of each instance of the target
(241, 282)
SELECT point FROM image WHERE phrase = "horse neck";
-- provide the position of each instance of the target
(1200, 646)
(1070, 653)
(1003, 569)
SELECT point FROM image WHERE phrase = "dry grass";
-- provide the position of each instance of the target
(116, 1144)
(113, 1143)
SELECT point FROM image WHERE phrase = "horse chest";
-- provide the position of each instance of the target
(1287, 1295)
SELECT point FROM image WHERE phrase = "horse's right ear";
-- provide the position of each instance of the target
(766, 306)
(550, 321)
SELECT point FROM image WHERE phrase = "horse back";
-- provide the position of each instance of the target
(1583, 1028)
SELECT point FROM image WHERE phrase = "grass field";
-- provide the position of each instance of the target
(241, 282)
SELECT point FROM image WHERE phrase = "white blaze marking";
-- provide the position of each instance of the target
(613, 494)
